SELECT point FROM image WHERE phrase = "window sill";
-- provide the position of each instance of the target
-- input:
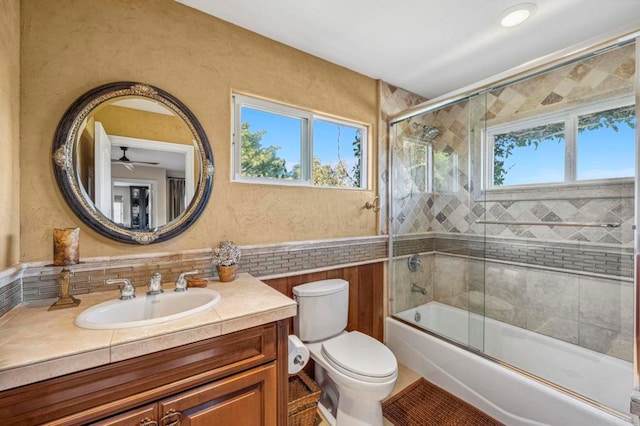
(293, 184)
(603, 188)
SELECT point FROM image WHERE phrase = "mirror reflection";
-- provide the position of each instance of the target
(137, 163)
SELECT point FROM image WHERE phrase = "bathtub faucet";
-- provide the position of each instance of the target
(417, 289)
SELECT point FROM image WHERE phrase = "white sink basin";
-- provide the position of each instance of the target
(147, 310)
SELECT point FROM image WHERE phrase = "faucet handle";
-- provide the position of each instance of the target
(181, 282)
(127, 290)
(414, 263)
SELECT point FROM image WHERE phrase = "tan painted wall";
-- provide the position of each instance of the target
(9, 132)
(71, 46)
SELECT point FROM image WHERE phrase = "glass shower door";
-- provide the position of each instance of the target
(512, 215)
(559, 166)
(437, 284)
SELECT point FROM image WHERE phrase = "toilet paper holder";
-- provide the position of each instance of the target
(299, 360)
(298, 354)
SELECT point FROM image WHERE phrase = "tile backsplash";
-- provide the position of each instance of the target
(10, 295)
(40, 281)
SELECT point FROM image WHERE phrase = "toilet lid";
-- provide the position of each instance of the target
(361, 355)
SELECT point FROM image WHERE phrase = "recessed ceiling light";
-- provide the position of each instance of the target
(517, 14)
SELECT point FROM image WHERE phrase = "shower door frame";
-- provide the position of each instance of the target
(635, 395)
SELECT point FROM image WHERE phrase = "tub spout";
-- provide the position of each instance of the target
(417, 289)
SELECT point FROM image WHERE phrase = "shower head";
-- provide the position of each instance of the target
(428, 133)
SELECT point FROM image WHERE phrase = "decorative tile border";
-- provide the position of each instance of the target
(10, 296)
(40, 281)
(602, 259)
(287, 259)
(407, 245)
(10, 288)
(593, 258)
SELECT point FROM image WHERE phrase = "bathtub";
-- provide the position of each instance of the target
(501, 392)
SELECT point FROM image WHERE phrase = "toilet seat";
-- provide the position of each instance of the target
(360, 357)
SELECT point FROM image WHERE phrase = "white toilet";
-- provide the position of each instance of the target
(354, 371)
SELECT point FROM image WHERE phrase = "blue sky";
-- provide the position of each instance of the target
(602, 153)
(285, 132)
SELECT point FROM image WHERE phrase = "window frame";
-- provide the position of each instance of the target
(306, 143)
(569, 117)
(453, 185)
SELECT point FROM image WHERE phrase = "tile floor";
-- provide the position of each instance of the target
(406, 376)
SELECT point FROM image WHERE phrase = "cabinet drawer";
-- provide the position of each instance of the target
(143, 416)
(248, 398)
(98, 392)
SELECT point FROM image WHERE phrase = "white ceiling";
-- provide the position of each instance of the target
(430, 47)
(143, 105)
(173, 161)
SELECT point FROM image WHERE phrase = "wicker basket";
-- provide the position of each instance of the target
(303, 400)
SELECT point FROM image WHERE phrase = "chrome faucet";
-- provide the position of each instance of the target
(181, 282)
(127, 290)
(155, 284)
(417, 289)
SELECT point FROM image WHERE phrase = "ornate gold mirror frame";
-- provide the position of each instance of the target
(64, 163)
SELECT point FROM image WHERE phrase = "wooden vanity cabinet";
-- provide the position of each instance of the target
(238, 378)
(247, 398)
(145, 415)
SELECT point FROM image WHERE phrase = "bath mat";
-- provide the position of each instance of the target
(424, 404)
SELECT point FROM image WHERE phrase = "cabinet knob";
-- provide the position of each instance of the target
(172, 418)
(148, 422)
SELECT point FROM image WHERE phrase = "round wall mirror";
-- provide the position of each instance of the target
(133, 162)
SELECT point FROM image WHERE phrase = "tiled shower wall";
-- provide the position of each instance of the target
(572, 283)
(392, 101)
(589, 311)
(460, 126)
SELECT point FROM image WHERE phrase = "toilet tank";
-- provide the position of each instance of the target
(323, 308)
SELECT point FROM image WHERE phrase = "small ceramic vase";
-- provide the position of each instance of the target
(226, 273)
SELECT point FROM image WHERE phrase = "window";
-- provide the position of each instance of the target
(274, 143)
(599, 135)
(586, 143)
(427, 169)
(444, 171)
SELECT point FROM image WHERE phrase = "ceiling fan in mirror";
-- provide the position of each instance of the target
(129, 164)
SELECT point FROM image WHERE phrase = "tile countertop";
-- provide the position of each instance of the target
(36, 344)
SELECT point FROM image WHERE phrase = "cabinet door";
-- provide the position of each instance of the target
(142, 416)
(247, 398)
